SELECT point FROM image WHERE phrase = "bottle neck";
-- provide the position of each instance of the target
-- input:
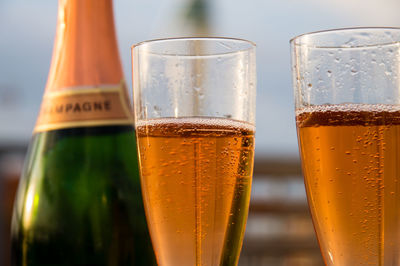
(85, 50)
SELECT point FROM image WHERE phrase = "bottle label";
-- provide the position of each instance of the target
(83, 107)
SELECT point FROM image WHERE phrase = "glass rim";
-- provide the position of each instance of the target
(250, 45)
(293, 41)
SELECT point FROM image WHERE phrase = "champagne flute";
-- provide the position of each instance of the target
(347, 98)
(195, 119)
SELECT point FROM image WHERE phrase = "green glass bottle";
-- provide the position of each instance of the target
(79, 199)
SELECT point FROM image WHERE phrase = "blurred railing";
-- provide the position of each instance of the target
(279, 229)
(11, 162)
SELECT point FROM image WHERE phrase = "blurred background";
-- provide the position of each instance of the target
(279, 230)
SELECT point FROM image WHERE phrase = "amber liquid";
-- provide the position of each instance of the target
(351, 164)
(196, 177)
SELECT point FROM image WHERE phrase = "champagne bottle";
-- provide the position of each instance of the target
(79, 200)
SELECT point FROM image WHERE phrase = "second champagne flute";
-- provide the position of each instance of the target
(348, 120)
(195, 119)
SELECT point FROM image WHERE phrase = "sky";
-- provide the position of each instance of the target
(27, 31)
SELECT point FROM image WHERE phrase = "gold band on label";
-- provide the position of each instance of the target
(82, 107)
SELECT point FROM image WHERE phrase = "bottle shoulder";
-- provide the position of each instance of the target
(91, 153)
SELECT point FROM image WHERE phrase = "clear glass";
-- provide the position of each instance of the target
(347, 98)
(194, 104)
